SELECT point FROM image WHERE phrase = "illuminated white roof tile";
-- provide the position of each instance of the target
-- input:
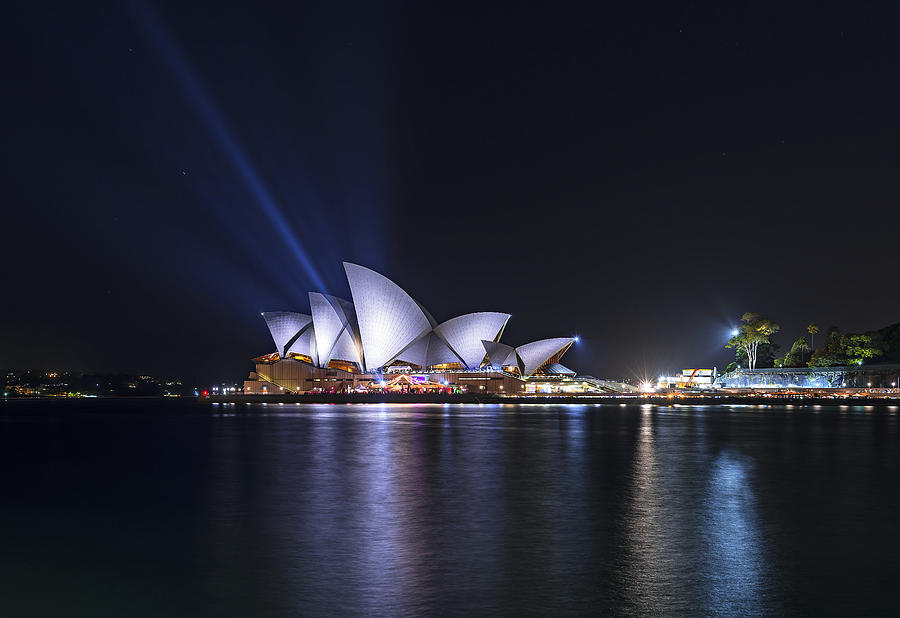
(345, 349)
(537, 353)
(334, 322)
(465, 333)
(439, 353)
(389, 319)
(417, 352)
(305, 344)
(285, 326)
(428, 350)
(500, 354)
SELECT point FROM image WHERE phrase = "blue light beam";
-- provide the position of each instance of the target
(215, 124)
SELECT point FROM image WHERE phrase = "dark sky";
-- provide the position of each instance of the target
(639, 174)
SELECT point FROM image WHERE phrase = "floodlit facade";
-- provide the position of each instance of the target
(344, 345)
(882, 376)
(689, 378)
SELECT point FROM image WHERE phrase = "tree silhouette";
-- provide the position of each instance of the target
(812, 329)
(756, 330)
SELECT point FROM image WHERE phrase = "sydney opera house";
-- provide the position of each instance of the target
(383, 333)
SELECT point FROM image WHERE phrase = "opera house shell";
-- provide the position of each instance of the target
(382, 328)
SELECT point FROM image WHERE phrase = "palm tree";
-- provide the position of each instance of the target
(812, 329)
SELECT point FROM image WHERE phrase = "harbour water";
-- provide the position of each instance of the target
(170, 508)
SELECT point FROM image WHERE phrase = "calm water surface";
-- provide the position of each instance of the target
(159, 508)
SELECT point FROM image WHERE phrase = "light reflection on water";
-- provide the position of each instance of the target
(445, 509)
(734, 545)
(644, 550)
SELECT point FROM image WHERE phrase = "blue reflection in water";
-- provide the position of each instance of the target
(374, 522)
(691, 533)
(734, 547)
(644, 550)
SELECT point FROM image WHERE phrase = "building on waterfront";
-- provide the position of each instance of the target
(689, 378)
(886, 376)
(345, 345)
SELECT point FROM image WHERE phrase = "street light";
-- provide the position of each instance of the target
(735, 332)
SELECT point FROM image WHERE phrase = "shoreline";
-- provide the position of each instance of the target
(474, 399)
(468, 398)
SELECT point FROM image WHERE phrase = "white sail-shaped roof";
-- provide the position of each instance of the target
(439, 353)
(428, 350)
(350, 335)
(500, 354)
(416, 353)
(535, 354)
(334, 322)
(465, 333)
(305, 344)
(285, 326)
(345, 349)
(389, 319)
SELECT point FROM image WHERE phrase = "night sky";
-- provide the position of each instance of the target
(639, 174)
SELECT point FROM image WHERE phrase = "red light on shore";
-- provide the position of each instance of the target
(206, 393)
